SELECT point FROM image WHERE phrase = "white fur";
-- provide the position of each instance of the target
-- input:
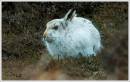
(73, 37)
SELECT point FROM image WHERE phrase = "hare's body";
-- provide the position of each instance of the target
(78, 37)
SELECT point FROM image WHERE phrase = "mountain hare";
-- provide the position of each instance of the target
(71, 36)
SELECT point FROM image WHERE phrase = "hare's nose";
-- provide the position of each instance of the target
(45, 34)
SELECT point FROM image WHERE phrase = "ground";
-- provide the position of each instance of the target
(43, 69)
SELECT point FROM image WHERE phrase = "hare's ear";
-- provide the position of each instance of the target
(70, 15)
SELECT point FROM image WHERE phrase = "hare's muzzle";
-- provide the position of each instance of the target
(45, 34)
(47, 37)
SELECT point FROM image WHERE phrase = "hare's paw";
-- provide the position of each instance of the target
(57, 57)
(89, 52)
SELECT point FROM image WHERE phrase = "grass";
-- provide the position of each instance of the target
(70, 68)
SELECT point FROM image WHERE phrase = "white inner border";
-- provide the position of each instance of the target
(59, 1)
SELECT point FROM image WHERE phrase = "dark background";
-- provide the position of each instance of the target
(23, 24)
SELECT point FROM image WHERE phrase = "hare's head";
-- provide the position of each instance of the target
(56, 28)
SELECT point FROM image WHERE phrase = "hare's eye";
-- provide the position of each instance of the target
(55, 28)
